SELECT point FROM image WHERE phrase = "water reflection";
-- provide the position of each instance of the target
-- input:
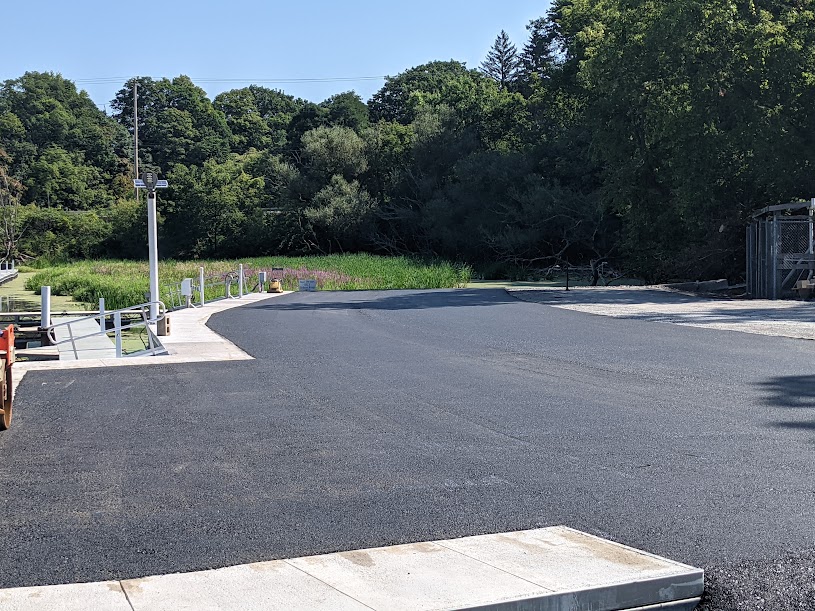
(15, 303)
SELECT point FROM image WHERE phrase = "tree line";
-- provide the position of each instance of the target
(637, 133)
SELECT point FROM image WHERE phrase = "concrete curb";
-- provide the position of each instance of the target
(549, 569)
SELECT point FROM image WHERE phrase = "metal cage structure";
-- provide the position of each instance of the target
(781, 251)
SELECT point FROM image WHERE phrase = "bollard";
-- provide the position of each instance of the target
(45, 307)
(201, 284)
(102, 326)
(117, 322)
(240, 280)
(261, 282)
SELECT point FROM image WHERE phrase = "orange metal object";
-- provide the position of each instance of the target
(7, 344)
(6, 384)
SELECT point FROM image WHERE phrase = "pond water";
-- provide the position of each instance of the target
(14, 297)
(14, 303)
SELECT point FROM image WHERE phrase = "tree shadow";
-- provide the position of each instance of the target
(791, 392)
(606, 296)
(389, 300)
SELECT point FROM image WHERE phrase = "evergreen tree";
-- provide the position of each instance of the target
(502, 61)
(540, 53)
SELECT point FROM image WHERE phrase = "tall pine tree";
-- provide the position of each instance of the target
(502, 61)
(540, 52)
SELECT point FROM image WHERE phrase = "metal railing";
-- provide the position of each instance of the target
(227, 285)
(142, 311)
(216, 287)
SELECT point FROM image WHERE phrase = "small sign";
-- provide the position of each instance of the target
(308, 285)
(186, 287)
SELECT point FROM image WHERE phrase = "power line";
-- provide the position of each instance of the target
(336, 79)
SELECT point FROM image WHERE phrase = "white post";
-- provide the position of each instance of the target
(102, 315)
(117, 322)
(152, 241)
(201, 283)
(45, 307)
(811, 250)
(240, 280)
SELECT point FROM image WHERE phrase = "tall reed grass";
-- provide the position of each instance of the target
(124, 283)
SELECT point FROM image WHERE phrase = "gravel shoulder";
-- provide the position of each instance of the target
(794, 319)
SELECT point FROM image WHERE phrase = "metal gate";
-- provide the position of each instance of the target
(781, 250)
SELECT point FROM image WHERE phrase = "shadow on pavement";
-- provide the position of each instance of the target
(793, 392)
(395, 300)
(609, 296)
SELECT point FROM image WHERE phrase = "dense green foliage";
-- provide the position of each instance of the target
(641, 133)
(124, 283)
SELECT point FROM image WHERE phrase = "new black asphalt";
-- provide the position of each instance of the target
(378, 418)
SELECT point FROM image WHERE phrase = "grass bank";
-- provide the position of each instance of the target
(124, 283)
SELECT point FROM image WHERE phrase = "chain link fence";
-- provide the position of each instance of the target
(780, 252)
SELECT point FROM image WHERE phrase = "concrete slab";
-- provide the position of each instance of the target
(546, 569)
(102, 596)
(597, 573)
(549, 569)
(418, 576)
(266, 585)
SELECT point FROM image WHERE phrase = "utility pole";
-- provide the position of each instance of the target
(136, 131)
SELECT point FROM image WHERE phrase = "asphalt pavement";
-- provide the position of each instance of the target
(379, 418)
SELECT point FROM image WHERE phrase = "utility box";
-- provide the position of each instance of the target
(186, 292)
(163, 326)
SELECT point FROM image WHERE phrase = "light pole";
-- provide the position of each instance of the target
(149, 181)
(136, 132)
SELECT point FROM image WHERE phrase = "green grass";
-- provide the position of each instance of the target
(124, 283)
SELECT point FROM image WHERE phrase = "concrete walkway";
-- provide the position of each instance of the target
(546, 569)
(190, 341)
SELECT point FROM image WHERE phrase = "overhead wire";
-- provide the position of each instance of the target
(334, 79)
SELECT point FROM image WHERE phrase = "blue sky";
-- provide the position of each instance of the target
(252, 40)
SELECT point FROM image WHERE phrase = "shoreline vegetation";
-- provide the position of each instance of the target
(124, 283)
(640, 135)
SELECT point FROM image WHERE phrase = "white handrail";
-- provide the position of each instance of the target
(142, 308)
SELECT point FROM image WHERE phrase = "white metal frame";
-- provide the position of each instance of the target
(144, 309)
